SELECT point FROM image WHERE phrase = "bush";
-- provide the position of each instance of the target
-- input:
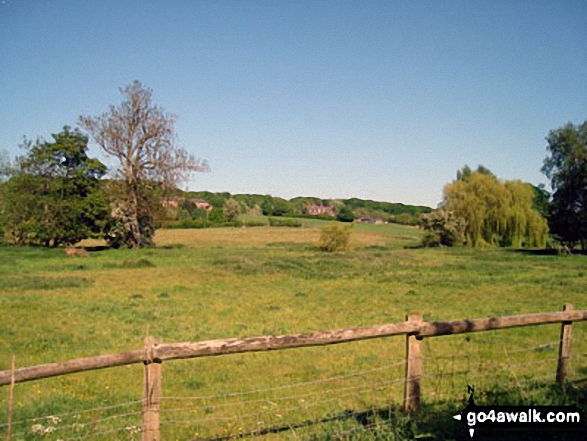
(253, 223)
(431, 239)
(404, 219)
(442, 228)
(216, 216)
(284, 222)
(335, 237)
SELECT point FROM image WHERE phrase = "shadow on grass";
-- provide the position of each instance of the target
(546, 252)
(434, 422)
(97, 248)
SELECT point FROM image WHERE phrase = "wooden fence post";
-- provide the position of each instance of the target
(564, 349)
(413, 367)
(152, 393)
(11, 400)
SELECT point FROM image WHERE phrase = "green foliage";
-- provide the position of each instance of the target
(276, 207)
(335, 237)
(216, 216)
(405, 219)
(217, 200)
(442, 228)
(541, 201)
(387, 207)
(55, 198)
(566, 167)
(126, 217)
(465, 173)
(273, 222)
(183, 215)
(346, 215)
(232, 209)
(496, 213)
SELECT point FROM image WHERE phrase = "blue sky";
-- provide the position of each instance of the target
(378, 100)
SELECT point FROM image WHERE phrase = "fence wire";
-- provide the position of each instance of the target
(344, 392)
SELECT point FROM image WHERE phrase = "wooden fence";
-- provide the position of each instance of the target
(414, 328)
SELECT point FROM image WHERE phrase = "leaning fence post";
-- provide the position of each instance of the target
(152, 393)
(413, 367)
(564, 349)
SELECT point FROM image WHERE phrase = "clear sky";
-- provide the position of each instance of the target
(380, 100)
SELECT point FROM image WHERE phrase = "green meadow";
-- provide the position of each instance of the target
(238, 282)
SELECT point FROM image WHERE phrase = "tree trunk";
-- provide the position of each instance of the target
(134, 216)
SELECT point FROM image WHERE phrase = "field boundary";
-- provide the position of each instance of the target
(414, 329)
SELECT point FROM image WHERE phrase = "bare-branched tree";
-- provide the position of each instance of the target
(140, 135)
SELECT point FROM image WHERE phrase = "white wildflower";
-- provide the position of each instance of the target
(37, 428)
(53, 419)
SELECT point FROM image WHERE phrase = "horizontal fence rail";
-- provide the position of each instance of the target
(159, 352)
(414, 329)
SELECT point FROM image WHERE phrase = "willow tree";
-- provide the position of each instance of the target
(140, 136)
(496, 213)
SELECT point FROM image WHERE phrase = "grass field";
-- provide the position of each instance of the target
(236, 282)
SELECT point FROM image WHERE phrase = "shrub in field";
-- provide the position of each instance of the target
(442, 228)
(335, 237)
(253, 223)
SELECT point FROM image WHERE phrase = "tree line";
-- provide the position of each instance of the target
(226, 206)
(55, 194)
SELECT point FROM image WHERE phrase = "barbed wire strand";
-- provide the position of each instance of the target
(292, 397)
(65, 414)
(287, 386)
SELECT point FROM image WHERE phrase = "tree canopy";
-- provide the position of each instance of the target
(495, 213)
(140, 135)
(566, 167)
(54, 196)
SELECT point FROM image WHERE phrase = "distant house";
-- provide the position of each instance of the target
(317, 210)
(201, 203)
(170, 203)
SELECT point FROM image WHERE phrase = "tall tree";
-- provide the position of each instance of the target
(566, 167)
(495, 213)
(140, 135)
(54, 197)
